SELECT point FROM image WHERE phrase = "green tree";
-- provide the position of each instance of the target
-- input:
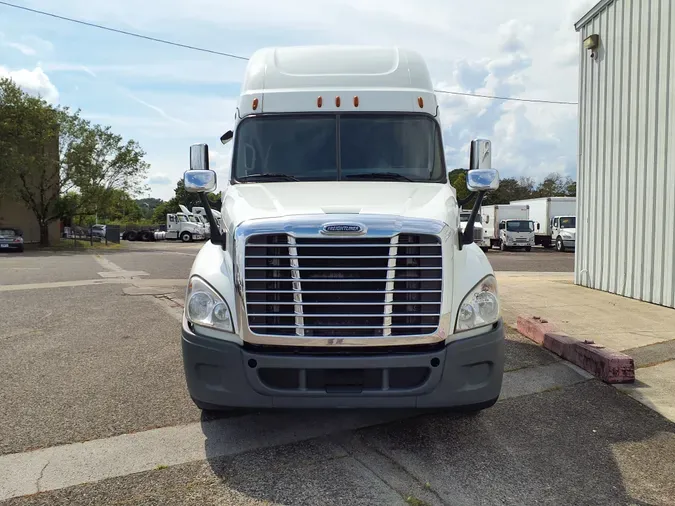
(107, 166)
(38, 143)
(47, 153)
(458, 182)
(148, 206)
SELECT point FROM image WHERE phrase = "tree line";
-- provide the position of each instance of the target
(553, 185)
(63, 167)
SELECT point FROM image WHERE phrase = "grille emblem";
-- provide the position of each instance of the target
(343, 228)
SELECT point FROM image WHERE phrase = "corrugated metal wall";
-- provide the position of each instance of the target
(626, 170)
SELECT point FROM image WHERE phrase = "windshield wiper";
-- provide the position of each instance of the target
(269, 176)
(391, 176)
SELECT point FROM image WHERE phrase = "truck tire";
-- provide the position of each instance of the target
(559, 245)
(186, 237)
(484, 249)
(146, 236)
(502, 246)
(546, 243)
(132, 235)
(528, 248)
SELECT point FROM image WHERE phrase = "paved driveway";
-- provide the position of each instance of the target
(95, 411)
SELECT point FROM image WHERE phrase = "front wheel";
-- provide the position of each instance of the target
(484, 249)
(502, 246)
(186, 237)
(559, 246)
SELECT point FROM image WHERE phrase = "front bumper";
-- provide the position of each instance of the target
(465, 372)
(11, 246)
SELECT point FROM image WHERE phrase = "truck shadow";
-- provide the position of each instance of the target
(583, 444)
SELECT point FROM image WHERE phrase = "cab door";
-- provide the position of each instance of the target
(172, 226)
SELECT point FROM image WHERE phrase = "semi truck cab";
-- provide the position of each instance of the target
(563, 232)
(478, 230)
(340, 276)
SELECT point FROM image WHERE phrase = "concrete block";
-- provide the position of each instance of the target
(560, 343)
(608, 365)
(535, 328)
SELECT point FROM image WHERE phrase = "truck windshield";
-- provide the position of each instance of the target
(568, 222)
(373, 147)
(519, 226)
(466, 216)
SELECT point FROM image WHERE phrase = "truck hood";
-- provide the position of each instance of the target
(571, 231)
(244, 202)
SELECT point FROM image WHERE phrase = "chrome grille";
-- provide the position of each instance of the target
(477, 234)
(343, 287)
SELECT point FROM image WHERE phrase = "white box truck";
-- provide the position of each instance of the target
(554, 220)
(507, 226)
(339, 277)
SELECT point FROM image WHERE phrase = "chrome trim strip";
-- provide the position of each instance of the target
(297, 288)
(389, 286)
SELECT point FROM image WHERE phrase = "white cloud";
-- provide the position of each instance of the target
(159, 179)
(22, 48)
(34, 82)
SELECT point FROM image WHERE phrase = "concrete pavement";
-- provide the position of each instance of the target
(95, 409)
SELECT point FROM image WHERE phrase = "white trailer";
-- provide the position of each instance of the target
(508, 226)
(554, 220)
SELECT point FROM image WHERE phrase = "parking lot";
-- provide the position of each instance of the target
(95, 411)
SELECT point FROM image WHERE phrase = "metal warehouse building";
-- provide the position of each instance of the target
(626, 169)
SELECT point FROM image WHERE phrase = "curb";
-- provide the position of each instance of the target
(608, 365)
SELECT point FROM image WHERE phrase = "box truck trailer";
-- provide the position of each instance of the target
(554, 220)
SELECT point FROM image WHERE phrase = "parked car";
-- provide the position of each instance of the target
(98, 230)
(11, 239)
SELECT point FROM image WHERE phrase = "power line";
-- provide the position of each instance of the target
(495, 97)
(124, 32)
(244, 58)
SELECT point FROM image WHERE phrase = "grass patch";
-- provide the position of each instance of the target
(414, 501)
(161, 466)
(79, 245)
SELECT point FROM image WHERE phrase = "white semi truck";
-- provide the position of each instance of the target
(479, 236)
(508, 226)
(554, 220)
(339, 276)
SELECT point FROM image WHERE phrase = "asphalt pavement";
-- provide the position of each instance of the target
(95, 411)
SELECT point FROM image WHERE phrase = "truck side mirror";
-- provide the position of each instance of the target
(538, 226)
(226, 137)
(197, 181)
(502, 226)
(482, 180)
(480, 154)
(199, 157)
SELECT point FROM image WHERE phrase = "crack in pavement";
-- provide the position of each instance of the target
(423, 488)
(42, 473)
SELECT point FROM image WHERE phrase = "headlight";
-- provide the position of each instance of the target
(480, 307)
(204, 306)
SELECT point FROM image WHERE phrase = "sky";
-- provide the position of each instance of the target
(168, 98)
